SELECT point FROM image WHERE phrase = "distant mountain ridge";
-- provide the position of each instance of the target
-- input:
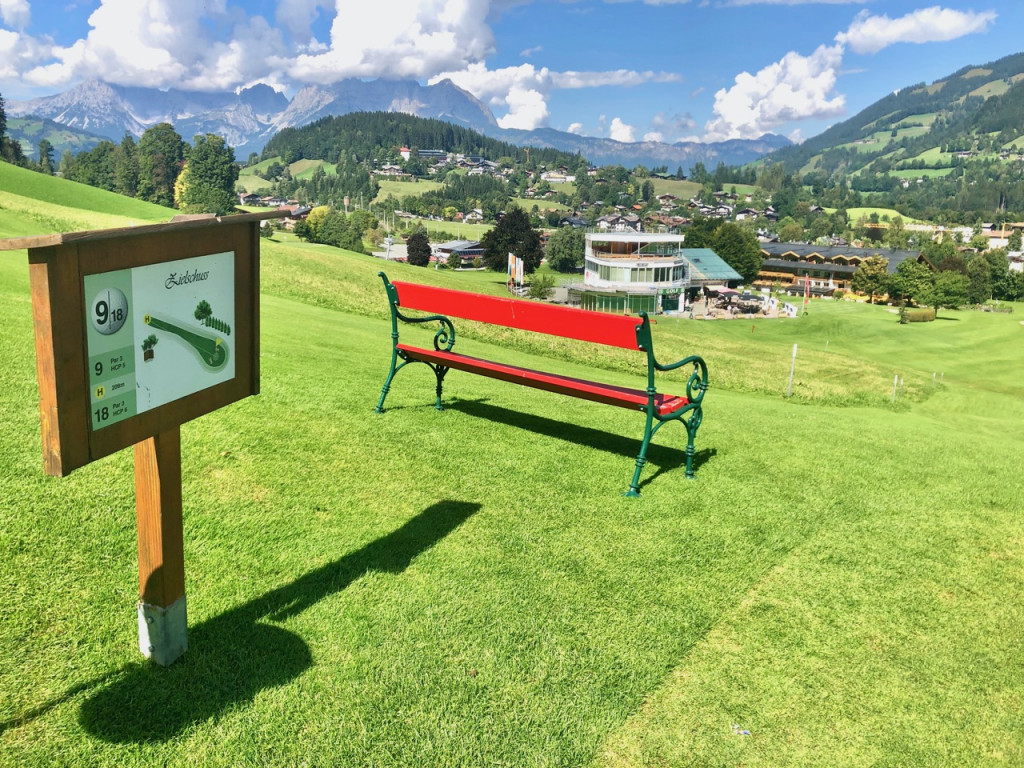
(975, 105)
(248, 119)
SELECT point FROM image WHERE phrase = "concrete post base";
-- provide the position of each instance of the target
(163, 632)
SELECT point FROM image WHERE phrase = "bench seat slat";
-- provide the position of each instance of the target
(568, 322)
(566, 385)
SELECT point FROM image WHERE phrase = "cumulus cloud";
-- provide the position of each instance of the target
(802, 87)
(160, 43)
(576, 128)
(654, 136)
(297, 16)
(870, 34)
(400, 39)
(523, 90)
(620, 131)
(794, 88)
(527, 108)
(15, 14)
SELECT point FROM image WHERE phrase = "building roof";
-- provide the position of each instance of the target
(804, 251)
(458, 246)
(838, 269)
(706, 265)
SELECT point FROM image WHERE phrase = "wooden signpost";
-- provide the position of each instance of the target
(138, 330)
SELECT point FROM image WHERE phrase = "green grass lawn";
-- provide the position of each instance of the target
(855, 214)
(468, 587)
(921, 173)
(402, 189)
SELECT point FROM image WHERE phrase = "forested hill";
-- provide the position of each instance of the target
(378, 135)
(953, 112)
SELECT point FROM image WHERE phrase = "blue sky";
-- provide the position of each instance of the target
(626, 69)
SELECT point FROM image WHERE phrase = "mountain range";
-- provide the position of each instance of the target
(248, 119)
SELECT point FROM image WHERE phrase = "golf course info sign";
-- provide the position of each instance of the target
(141, 329)
(158, 333)
(138, 330)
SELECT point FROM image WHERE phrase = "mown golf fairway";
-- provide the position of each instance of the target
(839, 586)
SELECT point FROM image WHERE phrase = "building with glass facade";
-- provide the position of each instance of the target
(643, 272)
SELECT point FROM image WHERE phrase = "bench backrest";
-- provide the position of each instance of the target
(568, 322)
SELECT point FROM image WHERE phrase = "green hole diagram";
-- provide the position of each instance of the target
(209, 348)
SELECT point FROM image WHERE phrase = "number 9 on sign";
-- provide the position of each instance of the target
(109, 311)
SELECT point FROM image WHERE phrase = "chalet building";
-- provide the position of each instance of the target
(664, 221)
(643, 272)
(619, 223)
(820, 269)
(389, 169)
(574, 221)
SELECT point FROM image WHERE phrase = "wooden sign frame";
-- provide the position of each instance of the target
(58, 267)
(65, 271)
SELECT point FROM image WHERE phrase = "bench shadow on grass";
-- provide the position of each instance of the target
(665, 457)
(235, 655)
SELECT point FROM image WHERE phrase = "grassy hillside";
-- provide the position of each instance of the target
(47, 204)
(29, 131)
(300, 169)
(468, 587)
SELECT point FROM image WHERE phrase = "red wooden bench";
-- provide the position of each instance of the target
(598, 327)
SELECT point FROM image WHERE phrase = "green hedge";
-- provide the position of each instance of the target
(919, 315)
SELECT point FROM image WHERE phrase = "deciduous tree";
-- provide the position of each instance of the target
(566, 248)
(912, 281)
(739, 249)
(207, 181)
(872, 277)
(161, 155)
(418, 249)
(513, 234)
(950, 290)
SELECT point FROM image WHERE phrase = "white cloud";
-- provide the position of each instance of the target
(528, 52)
(19, 52)
(794, 88)
(620, 131)
(161, 43)
(527, 109)
(400, 39)
(576, 128)
(654, 136)
(524, 90)
(870, 34)
(297, 17)
(15, 13)
(617, 77)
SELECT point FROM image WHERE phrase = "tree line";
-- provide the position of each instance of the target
(956, 280)
(161, 168)
(376, 137)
